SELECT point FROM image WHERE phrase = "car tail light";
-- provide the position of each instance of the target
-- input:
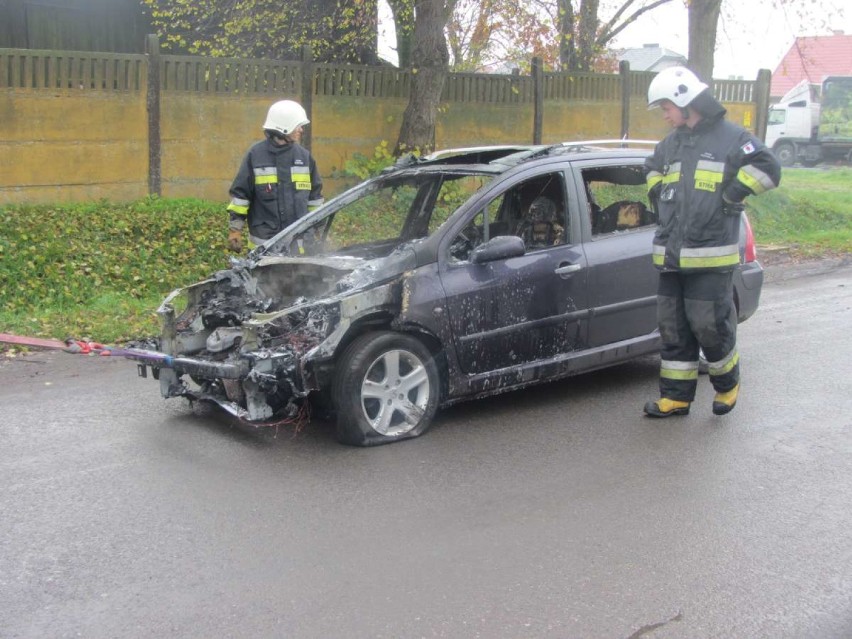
(750, 248)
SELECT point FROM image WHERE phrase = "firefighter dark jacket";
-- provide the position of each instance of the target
(697, 180)
(275, 186)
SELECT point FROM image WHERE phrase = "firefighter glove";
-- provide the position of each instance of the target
(235, 240)
(732, 208)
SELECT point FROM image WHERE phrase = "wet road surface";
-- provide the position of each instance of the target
(558, 511)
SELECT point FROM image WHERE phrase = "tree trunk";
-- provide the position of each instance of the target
(428, 72)
(703, 21)
(567, 45)
(587, 35)
(368, 51)
(403, 22)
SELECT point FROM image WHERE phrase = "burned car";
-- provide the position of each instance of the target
(459, 275)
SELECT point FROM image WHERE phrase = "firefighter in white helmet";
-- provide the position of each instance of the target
(277, 182)
(698, 177)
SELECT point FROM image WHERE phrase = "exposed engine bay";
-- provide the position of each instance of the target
(243, 337)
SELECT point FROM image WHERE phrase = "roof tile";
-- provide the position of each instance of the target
(812, 58)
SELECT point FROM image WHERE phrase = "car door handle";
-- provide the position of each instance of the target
(567, 269)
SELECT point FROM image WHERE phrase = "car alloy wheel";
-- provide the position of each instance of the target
(386, 389)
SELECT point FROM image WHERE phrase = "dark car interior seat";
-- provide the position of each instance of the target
(621, 216)
(540, 227)
(627, 185)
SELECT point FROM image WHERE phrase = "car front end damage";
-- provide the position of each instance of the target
(248, 338)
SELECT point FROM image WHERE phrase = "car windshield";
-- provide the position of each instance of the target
(374, 218)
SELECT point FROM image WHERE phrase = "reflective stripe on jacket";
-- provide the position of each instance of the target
(692, 176)
(275, 185)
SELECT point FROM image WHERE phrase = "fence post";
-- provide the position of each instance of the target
(307, 92)
(152, 102)
(624, 72)
(538, 98)
(762, 88)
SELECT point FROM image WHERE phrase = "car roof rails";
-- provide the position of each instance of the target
(622, 143)
(479, 154)
(508, 153)
(464, 155)
(576, 146)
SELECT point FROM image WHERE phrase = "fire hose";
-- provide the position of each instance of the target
(70, 345)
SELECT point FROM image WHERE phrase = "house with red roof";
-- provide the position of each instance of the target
(812, 58)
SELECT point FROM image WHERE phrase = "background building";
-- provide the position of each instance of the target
(651, 57)
(812, 58)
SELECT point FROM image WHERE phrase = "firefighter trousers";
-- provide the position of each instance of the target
(696, 310)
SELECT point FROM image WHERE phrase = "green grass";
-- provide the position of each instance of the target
(811, 212)
(99, 270)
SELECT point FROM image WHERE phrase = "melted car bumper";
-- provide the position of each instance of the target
(191, 366)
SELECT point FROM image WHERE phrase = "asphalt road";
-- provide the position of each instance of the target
(553, 512)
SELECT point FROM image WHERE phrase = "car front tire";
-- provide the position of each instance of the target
(386, 388)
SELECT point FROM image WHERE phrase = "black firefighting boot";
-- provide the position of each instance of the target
(665, 407)
(724, 403)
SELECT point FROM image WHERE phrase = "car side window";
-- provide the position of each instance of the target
(534, 210)
(454, 191)
(617, 199)
(472, 235)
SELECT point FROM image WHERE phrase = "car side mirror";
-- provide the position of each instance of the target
(499, 248)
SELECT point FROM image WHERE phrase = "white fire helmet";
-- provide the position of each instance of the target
(285, 116)
(676, 84)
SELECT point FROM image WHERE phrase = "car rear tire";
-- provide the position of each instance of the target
(386, 388)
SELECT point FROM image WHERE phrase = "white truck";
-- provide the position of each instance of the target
(812, 123)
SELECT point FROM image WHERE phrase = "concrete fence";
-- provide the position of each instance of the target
(78, 126)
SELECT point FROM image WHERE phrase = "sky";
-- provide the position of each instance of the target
(752, 35)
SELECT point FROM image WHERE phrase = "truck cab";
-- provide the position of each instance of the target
(793, 122)
(812, 123)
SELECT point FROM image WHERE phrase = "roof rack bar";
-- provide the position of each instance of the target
(624, 143)
(444, 153)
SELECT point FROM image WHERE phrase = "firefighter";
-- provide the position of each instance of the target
(277, 182)
(697, 178)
